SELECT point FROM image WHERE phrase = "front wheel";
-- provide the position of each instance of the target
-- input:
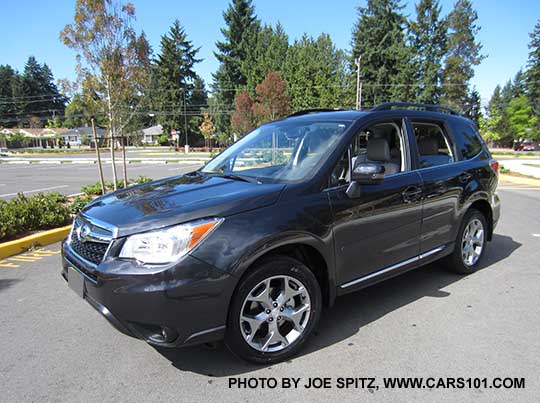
(274, 310)
(470, 243)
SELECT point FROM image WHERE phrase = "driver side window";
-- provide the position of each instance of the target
(382, 143)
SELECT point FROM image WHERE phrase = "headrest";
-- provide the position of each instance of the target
(428, 146)
(378, 150)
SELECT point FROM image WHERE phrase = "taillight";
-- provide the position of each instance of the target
(494, 164)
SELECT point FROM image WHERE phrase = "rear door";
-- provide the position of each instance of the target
(443, 178)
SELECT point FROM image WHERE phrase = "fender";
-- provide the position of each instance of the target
(323, 246)
(466, 204)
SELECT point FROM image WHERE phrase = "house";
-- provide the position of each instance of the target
(75, 136)
(150, 134)
(38, 137)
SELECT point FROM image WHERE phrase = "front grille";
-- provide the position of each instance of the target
(89, 250)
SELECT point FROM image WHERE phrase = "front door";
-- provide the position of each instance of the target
(381, 227)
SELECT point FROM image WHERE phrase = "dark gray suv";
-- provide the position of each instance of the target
(253, 245)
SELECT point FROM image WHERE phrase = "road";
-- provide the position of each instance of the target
(68, 178)
(426, 323)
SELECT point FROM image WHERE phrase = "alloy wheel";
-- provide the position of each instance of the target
(275, 313)
(472, 242)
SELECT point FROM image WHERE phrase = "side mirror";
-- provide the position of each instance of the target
(368, 173)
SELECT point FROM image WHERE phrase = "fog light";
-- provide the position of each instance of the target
(168, 335)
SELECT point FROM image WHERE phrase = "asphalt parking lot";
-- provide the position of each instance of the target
(31, 179)
(426, 323)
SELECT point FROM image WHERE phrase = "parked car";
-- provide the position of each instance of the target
(526, 147)
(252, 246)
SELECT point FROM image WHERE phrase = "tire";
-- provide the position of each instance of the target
(459, 261)
(278, 294)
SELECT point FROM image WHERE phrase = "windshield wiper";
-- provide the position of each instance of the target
(237, 177)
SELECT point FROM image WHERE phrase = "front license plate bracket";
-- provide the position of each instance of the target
(75, 281)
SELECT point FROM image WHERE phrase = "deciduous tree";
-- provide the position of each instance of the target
(113, 58)
(272, 100)
(207, 129)
(243, 119)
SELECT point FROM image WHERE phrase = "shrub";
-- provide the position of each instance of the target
(24, 214)
(92, 190)
(143, 179)
(163, 140)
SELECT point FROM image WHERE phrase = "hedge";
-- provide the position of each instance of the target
(23, 214)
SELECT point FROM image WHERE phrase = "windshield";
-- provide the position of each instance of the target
(285, 151)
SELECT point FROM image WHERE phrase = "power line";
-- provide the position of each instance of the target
(242, 88)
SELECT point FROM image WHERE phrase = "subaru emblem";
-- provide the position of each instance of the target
(83, 232)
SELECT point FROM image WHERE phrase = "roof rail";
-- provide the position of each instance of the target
(315, 110)
(408, 105)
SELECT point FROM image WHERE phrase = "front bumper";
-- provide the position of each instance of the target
(182, 304)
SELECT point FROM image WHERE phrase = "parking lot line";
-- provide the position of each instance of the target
(7, 264)
(31, 256)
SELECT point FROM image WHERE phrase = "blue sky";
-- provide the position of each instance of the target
(31, 27)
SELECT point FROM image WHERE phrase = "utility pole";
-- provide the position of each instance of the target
(100, 169)
(186, 145)
(358, 84)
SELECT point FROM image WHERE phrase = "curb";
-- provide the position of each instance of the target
(42, 238)
(519, 181)
(104, 161)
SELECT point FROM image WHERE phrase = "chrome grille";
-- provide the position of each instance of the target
(94, 244)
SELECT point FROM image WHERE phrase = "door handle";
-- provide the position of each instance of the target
(412, 193)
(465, 177)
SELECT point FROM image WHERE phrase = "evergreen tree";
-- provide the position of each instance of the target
(520, 119)
(533, 70)
(57, 102)
(463, 54)
(175, 78)
(197, 103)
(491, 128)
(34, 95)
(429, 43)
(317, 74)
(379, 38)
(241, 26)
(519, 84)
(266, 52)
(474, 107)
(8, 83)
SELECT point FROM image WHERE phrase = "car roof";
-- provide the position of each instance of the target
(329, 115)
(353, 115)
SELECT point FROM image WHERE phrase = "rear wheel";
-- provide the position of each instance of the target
(274, 310)
(470, 243)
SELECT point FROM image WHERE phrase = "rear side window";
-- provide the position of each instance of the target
(433, 145)
(468, 142)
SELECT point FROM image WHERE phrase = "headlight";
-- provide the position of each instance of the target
(169, 244)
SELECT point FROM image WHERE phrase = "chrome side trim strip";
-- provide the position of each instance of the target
(394, 267)
(432, 252)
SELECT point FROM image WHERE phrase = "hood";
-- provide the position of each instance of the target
(179, 199)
